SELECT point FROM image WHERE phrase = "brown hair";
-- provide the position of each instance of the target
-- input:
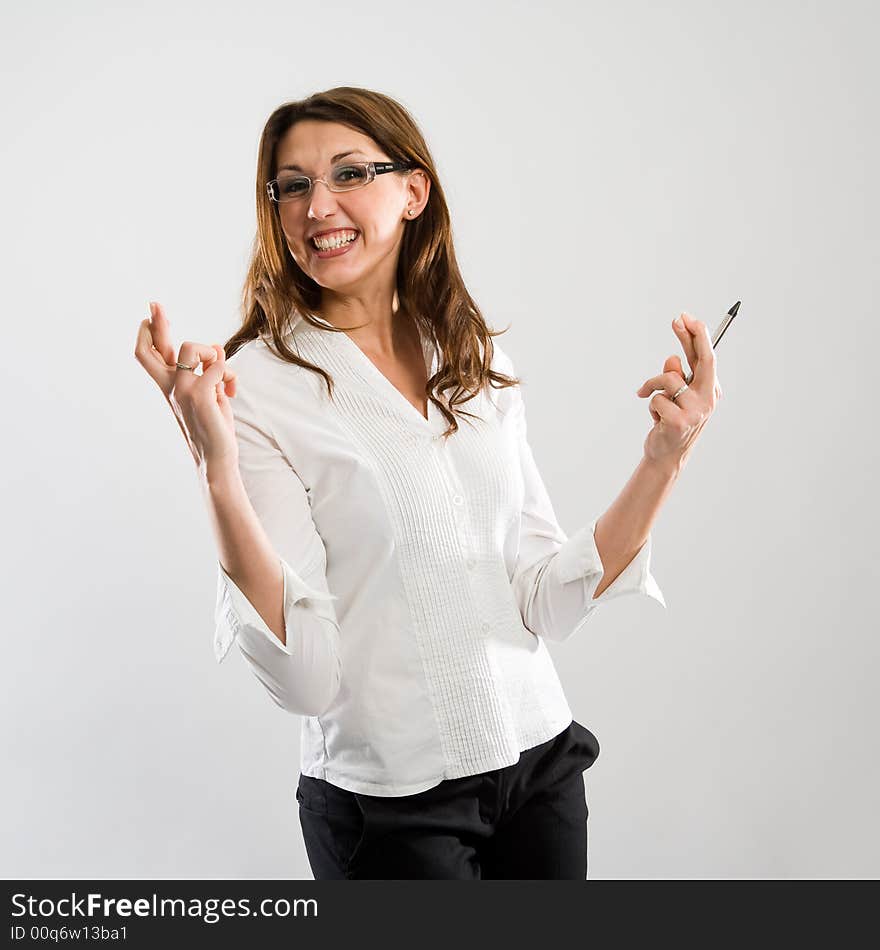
(429, 284)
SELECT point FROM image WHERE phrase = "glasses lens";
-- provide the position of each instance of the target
(346, 177)
(292, 186)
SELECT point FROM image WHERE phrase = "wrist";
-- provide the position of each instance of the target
(221, 478)
(664, 469)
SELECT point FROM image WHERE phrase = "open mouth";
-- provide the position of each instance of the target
(329, 245)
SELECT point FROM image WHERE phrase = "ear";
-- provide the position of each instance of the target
(418, 187)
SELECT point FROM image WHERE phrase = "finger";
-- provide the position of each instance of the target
(670, 381)
(664, 409)
(686, 340)
(161, 331)
(218, 374)
(147, 355)
(673, 372)
(704, 373)
(193, 354)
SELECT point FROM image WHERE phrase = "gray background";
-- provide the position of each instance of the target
(607, 166)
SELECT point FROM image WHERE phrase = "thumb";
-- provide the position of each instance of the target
(673, 364)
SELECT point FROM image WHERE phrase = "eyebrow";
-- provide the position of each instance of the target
(333, 161)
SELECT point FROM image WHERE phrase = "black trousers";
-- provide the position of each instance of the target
(526, 821)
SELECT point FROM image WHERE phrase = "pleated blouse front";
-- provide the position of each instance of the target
(422, 577)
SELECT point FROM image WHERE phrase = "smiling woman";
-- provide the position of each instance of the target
(389, 575)
(351, 160)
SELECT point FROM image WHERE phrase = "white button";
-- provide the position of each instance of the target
(457, 499)
(470, 563)
(486, 626)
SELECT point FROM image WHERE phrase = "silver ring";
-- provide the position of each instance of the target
(683, 388)
(184, 366)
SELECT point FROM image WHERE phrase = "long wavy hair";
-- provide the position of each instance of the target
(429, 284)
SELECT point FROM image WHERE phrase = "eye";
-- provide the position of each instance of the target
(293, 185)
(348, 174)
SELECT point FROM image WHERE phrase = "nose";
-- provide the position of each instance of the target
(322, 201)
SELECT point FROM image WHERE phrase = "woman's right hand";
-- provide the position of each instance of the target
(199, 403)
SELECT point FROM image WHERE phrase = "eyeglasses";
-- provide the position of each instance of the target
(342, 178)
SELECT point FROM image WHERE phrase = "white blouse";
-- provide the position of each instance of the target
(421, 577)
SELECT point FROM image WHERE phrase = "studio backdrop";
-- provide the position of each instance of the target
(607, 166)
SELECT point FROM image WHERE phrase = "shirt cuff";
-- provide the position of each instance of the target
(235, 614)
(578, 558)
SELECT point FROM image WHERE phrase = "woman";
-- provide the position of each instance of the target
(390, 564)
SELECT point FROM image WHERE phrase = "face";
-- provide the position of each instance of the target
(377, 211)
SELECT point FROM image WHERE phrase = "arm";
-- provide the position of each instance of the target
(624, 528)
(246, 556)
(556, 579)
(272, 595)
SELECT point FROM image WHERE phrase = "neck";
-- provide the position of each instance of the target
(376, 324)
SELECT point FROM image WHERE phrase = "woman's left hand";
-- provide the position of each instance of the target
(679, 423)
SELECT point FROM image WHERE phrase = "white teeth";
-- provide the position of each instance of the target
(326, 244)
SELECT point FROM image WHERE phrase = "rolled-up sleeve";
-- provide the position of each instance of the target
(555, 576)
(303, 675)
